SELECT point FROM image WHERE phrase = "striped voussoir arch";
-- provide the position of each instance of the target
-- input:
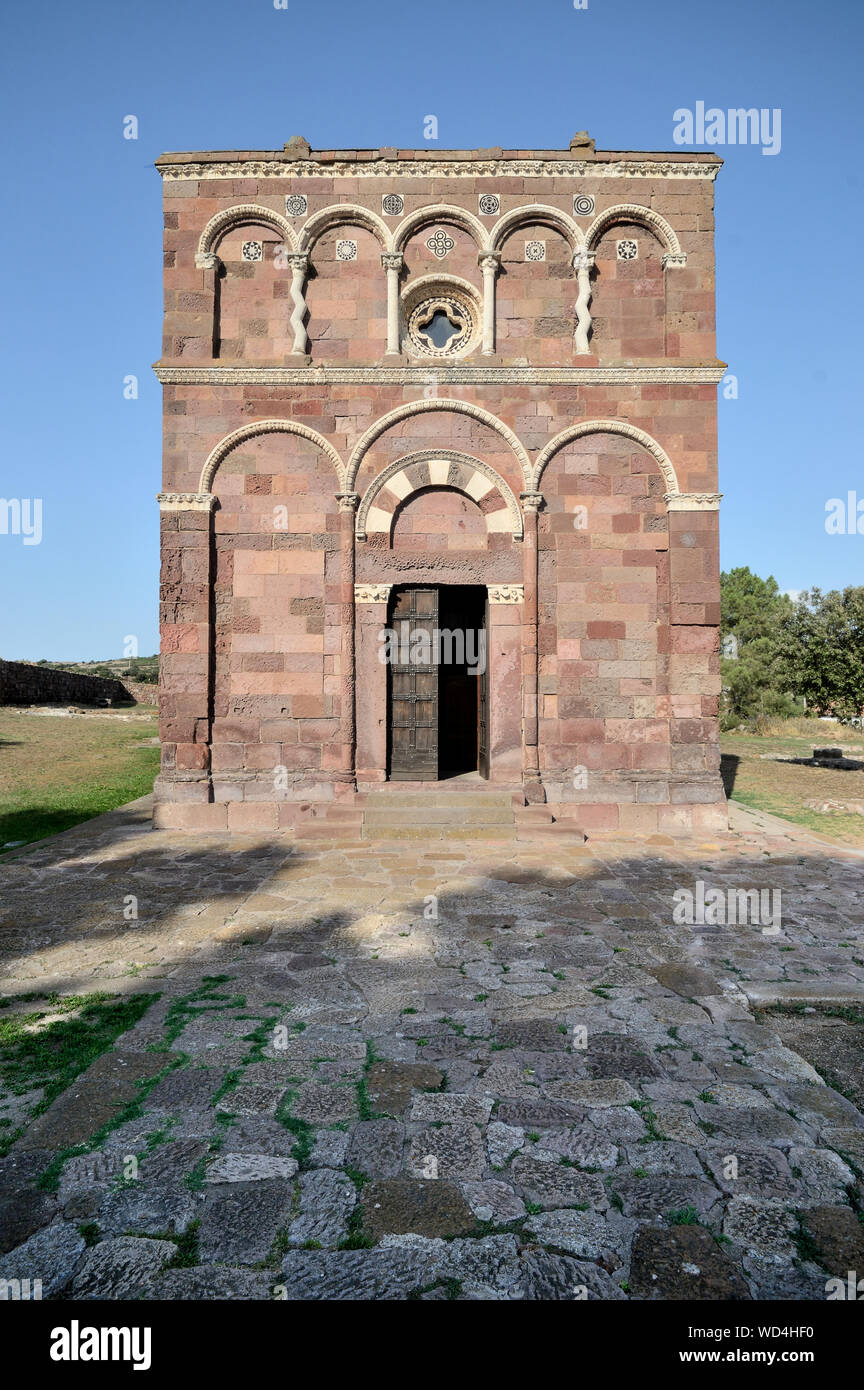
(438, 468)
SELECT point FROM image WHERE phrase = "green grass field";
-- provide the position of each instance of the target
(783, 789)
(58, 770)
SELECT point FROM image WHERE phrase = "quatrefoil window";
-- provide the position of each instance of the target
(440, 328)
(441, 325)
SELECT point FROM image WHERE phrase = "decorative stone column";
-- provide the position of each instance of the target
(348, 502)
(371, 617)
(583, 264)
(490, 263)
(531, 504)
(299, 263)
(186, 665)
(392, 262)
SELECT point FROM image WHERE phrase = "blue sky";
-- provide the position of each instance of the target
(81, 292)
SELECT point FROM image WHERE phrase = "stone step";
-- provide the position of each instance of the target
(494, 834)
(453, 801)
(426, 816)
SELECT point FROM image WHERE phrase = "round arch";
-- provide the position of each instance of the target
(258, 427)
(537, 213)
(471, 476)
(240, 216)
(633, 212)
(346, 214)
(442, 212)
(567, 436)
(404, 412)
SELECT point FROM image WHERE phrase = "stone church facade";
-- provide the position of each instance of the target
(469, 391)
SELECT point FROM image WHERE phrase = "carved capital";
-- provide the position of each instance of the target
(372, 593)
(348, 501)
(531, 501)
(392, 260)
(583, 260)
(186, 501)
(299, 260)
(207, 260)
(673, 260)
(489, 261)
(506, 593)
(693, 501)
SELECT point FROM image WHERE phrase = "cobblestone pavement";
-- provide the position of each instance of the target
(435, 1069)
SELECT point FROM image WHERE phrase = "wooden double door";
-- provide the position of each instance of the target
(438, 683)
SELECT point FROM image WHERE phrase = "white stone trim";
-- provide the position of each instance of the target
(372, 593)
(456, 374)
(506, 593)
(607, 427)
(256, 427)
(375, 520)
(186, 501)
(693, 501)
(275, 167)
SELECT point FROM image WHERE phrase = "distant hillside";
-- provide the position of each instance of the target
(143, 669)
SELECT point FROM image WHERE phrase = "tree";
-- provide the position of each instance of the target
(753, 612)
(822, 651)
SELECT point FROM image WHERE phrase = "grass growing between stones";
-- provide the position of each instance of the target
(59, 770)
(48, 1056)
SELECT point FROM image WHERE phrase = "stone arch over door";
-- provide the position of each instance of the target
(449, 468)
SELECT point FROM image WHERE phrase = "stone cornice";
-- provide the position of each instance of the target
(275, 168)
(457, 375)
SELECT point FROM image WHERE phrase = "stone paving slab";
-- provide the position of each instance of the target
(473, 1070)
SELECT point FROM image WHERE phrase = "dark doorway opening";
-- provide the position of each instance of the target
(438, 683)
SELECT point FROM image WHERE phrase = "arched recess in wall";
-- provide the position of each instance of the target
(536, 214)
(442, 212)
(242, 215)
(412, 473)
(259, 427)
(417, 408)
(535, 246)
(620, 427)
(343, 215)
(636, 214)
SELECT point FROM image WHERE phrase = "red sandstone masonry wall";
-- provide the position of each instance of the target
(254, 616)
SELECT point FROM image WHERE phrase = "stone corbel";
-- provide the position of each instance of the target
(392, 262)
(207, 260)
(583, 264)
(490, 263)
(673, 260)
(506, 593)
(299, 263)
